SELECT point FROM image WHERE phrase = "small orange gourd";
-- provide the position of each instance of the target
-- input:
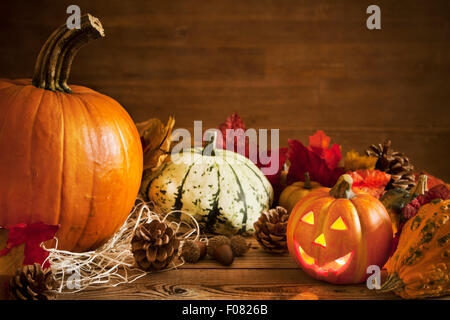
(296, 191)
(420, 267)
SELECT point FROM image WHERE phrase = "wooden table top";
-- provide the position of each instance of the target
(257, 275)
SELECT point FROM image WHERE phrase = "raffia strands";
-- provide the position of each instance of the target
(113, 263)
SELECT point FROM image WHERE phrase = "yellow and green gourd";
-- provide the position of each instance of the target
(223, 190)
(420, 267)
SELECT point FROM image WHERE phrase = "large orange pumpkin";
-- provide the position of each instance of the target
(335, 234)
(70, 156)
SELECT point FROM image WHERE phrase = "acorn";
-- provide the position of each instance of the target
(190, 252)
(224, 255)
(215, 242)
(193, 251)
(202, 247)
(239, 245)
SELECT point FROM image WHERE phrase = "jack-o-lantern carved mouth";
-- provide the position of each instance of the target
(335, 266)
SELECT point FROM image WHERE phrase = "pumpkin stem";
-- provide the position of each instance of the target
(343, 187)
(393, 282)
(210, 146)
(307, 184)
(55, 59)
(420, 187)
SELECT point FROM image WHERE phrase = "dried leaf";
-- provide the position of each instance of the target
(156, 141)
(354, 161)
(30, 237)
(10, 262)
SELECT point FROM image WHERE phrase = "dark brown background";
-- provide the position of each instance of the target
(297, 65)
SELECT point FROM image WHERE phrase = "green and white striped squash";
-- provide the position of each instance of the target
(224, 191)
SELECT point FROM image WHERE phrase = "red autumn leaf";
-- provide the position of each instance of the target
(370, 181)
(239, 140)
(32, 235)
(233, 122)
(317, 159)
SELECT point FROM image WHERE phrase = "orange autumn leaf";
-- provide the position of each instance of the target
(319, 143)
(156, 141)
(370, 181)
(319, 140)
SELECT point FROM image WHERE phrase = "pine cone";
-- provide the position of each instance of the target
(31, 283)
(394, 163)
(154, 245)
(270, 230)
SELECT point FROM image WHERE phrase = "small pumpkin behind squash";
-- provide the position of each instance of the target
(296, 191)
(420, 267)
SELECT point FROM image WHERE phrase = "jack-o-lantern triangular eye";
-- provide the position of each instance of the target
(308, 218)
(339, 224)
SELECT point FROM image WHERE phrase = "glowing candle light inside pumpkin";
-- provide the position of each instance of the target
(334, 234)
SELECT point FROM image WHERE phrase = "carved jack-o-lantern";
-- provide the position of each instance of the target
(335, 234)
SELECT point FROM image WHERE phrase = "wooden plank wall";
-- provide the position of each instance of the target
(297, 65)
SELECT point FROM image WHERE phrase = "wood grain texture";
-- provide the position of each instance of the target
(256, 276)
(233, 284)
(294, 65)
